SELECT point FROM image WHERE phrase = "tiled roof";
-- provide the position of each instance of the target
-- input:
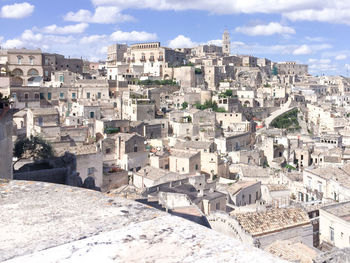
(261, 223)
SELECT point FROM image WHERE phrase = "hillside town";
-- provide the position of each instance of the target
(254, 149)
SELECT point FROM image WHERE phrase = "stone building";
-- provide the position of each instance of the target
(276, 195)
(242, 193)
(56, 62)
(291, 68)
(149, 176)
(326, 183)
(23, 65)
(126, 150)
(184, 161)
(263, 228)
(153, 57)
(44, 122)
(138, 109)
(226, 43)
(115, 54)
(204, 50)
(335, 224)
(89, 162)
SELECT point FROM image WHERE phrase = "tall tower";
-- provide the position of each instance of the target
(226, 43)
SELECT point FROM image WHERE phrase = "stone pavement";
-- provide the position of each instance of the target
(44, 222)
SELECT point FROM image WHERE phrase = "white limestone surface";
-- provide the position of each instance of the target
(162, 239)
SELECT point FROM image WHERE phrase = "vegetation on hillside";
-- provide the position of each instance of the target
(227, 94)
(209, 104)
(148, 82)
(288, 120)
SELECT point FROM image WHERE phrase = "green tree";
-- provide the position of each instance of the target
(274, 71)
(184, 105)
(34, 146)
(229, 93)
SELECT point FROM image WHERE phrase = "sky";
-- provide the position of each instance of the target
(313, 32)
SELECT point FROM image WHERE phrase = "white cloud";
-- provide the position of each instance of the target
(28, 35)
(92, 39)
(302, 50)
(341, 57)
(322, 65)
(215, 6)
(120, 36)
(316, 39)
(102, 15)
(266, 30)
(331, 14)
(319, 61)
(181, 41)
(70, 29)
(17, 10)
(216, 42)
(13, 43)
(334, 11)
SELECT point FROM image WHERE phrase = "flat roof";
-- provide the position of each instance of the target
(341, 210)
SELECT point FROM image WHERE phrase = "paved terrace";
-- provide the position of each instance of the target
(42, 222)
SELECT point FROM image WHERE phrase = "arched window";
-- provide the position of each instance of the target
(33, 72)
(17, 72)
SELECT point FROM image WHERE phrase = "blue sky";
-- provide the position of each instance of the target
(307, 31)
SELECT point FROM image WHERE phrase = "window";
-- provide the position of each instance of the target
(196, 167)
(61, 95)
(331, 233)
(92, 114)
(17, 72)
(26, 96)
(19, 60)
(49, 95)
(61, 78)
(217, 206)
(256, 195)
(40, 121)
(90, 170)
(99, 95)
(108, 150)
(36, 96)
(250, 198)
(46, 73)
(33, 72)
(74, 95)
(320, 187)
(31, 61)
(135, 148)
(88, 95)
(41, 96)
